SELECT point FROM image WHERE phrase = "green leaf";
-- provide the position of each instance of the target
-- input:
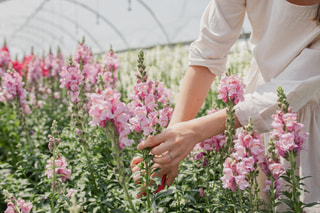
(65, 199)
(189, 197)
(310, 204)
(162, 194)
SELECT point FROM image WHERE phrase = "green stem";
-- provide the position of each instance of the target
(256, 191)
(147, 176)
(294, 183)
(230, 126)
(250, 192)
(272, 196)
(120, 167)
(80, 123)
(53, 176)
(240, 200)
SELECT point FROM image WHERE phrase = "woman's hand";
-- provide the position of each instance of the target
(172, 146)
(176, 142)
(171, 172)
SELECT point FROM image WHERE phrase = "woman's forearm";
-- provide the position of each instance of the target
(210, 125)
(194, 89)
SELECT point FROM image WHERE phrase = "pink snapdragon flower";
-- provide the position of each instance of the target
(276, 169)
(10, 208)
(107, 106)
(111, 61)
(53, 64)
(287, 133)
(56, 95)
(12, 86)
(201, 191)
(231, 88)
(90, 72)
(84, 53)
(277, 185)
(19, 205)
(248, 153)
(34, 70)
(4, 60)
(71, 78)
(110, 72)
(60, 169)
(229, 170)
(150, 106)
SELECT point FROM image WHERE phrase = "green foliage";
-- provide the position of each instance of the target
(95, 170)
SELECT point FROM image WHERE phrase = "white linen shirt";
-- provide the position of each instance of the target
(286, 53)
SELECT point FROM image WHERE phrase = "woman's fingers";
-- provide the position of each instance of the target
(171, 157)
(152, 141)
(162, 148)
(135, 168)
(137, 179)
(135, 161)
(172, 174)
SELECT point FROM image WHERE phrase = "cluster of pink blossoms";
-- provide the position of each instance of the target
(84, 53)
(90, 72)
(150, 106)
(107, 106)
(53, 64)
(287, 133)
(60, 169)
(112, 65)
(4, 60)
(12, 86)
(273, 170)
(111, 61)
(249, 152)
(231, 88)
(34, 70)
(71, 78)
(287, 136)
(18, 205)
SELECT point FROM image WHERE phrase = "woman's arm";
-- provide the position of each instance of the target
(194, 89)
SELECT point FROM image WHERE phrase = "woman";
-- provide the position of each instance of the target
(286, 41)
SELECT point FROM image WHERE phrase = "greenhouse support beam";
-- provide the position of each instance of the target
(155, 18)
(75, 23)
(29, 18)
(103, 18)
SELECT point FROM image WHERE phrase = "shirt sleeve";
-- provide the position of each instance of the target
(300, 81)
(220, 27)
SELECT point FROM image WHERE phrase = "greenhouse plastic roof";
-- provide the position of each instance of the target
(124, 24)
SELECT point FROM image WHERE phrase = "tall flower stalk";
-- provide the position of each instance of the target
(12, 92)
(56, 168)
(72, 78)
(108, 112)
(289, 139)
(231, 92)
(151, 109)
(240, 170)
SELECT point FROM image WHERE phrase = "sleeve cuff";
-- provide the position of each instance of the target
(246, 109)
(197, 57)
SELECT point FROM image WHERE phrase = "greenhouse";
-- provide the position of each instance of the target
(159, 106)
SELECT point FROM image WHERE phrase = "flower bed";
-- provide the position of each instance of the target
(69, 129)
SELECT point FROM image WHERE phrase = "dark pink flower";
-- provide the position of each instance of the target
(202, 194)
